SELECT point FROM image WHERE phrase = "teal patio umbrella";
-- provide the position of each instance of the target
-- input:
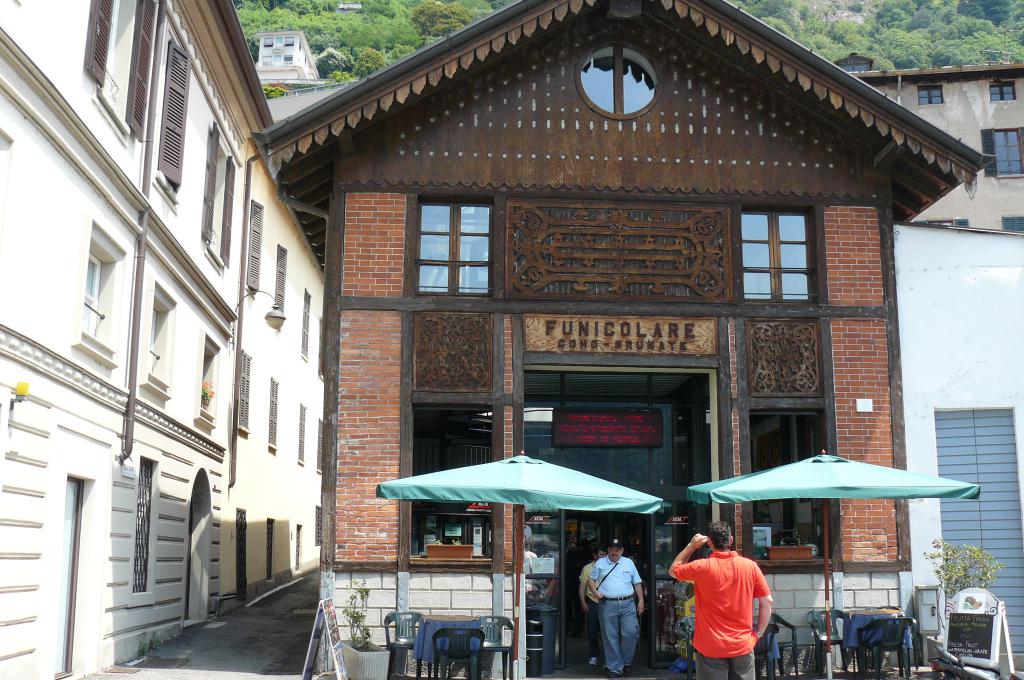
(523, 482)
(829, 477)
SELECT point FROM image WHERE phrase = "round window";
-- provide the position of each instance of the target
(618, 81)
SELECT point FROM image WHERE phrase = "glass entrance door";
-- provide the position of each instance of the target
(68, 584)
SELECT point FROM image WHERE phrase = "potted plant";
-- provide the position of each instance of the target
(364, 660)
(790, 548)
(958, 567)
(206, 395)
(452, 551)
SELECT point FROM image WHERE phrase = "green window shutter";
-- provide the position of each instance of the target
(243, 394)
(988, 147)
(210, 192)
(282, 272)
(252, 279)
(225, 220)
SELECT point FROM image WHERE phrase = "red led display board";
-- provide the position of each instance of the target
(640, 429)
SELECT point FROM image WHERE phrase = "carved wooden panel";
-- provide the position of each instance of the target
(784, 358)
(617, 250)
(452, 352)
(718, 124)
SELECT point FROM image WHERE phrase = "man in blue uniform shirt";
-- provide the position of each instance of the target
(618, 586)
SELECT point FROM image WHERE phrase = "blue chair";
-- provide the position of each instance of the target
(884, 635)
(452, 645)
(494, 640)
(405, 624)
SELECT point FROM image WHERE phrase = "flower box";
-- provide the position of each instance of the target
(790, 552)
(368, 665)
(439, 551)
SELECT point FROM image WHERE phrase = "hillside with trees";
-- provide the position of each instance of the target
(895, 33)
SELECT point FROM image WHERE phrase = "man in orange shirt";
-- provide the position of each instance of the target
(726, 586)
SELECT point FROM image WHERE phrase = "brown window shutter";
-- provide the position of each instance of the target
(225, 220)
(302, 433)
(319, 445)
(210, 193)
(252, 279)
(172, 135)
(282, 271)
(306, 299)
(142, 55)
(243, 392)
(272, 429)
(97, 44)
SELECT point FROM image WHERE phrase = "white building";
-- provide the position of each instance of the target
(979, 105)
(285, 57)
(125, 206)
(961, 312)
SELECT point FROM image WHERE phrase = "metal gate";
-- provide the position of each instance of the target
(270, 550)
(241, 582)
(979, 447)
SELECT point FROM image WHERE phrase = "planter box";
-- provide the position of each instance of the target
(790, 552)
(438, 551)
(371, 665)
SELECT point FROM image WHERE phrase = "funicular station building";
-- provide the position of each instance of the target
(652, 241)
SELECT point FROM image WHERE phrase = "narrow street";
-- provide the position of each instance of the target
(267, 639)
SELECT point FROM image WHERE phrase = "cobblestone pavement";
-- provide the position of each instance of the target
(267, 639)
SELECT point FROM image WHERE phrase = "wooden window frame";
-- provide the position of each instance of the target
(454, 234)
(618, 96)
(927, 91)
(1020, 151)
(775, 269)
(1000, 86)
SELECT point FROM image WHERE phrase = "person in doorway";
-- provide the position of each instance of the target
(618, 586)
(588, 604)
(726, 586)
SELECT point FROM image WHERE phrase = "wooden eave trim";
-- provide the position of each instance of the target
(444, 67)
(451, 64)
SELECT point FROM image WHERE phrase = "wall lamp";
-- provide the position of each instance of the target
(275, 318)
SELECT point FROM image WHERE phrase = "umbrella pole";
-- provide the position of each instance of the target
(518, 520)
(826, 511)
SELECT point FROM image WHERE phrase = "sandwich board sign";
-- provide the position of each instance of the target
(325, 629)
(978, 632)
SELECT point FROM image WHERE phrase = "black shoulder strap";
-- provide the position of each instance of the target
(607, 575)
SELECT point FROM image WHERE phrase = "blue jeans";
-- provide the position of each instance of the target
(620, 630)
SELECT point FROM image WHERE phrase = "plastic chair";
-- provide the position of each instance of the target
(405, 635)
(816, 620)
(762, 649)
(791, 642)
(494, 640)
(884, 635)
(686, 633)
(452, 645)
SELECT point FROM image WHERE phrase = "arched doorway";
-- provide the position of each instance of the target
(197, 557)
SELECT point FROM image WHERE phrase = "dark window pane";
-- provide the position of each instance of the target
(597, 78)
(434, 217)
(637, 82)
(1007, 148)
(433, 278)
(792, 228)
(794, 286)
(757, 285)
(472, 279)
(433, 247)
(756, 255)
(473, 248)
(794, 256)
(475, 219)
(755, 227)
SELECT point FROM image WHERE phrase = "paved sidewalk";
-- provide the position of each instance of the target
(266, 639)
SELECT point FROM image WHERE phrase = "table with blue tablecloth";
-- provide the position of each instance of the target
(423, 650)
(855, 619)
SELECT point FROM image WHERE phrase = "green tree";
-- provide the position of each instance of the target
(274, 91)
(996, 11)
(333, 59)
(369, 61)
(434, 19)
(342, 77)
(962, 566)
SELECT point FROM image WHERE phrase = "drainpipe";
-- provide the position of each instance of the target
(128, 434)
(899, 89)
(243, 270)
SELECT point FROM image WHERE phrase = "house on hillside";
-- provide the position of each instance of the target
(609, 210)
(285, 57)
(979, 105)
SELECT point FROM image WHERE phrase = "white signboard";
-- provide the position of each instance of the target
(977, 631)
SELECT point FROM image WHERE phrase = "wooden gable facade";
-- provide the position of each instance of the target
(624, 219)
